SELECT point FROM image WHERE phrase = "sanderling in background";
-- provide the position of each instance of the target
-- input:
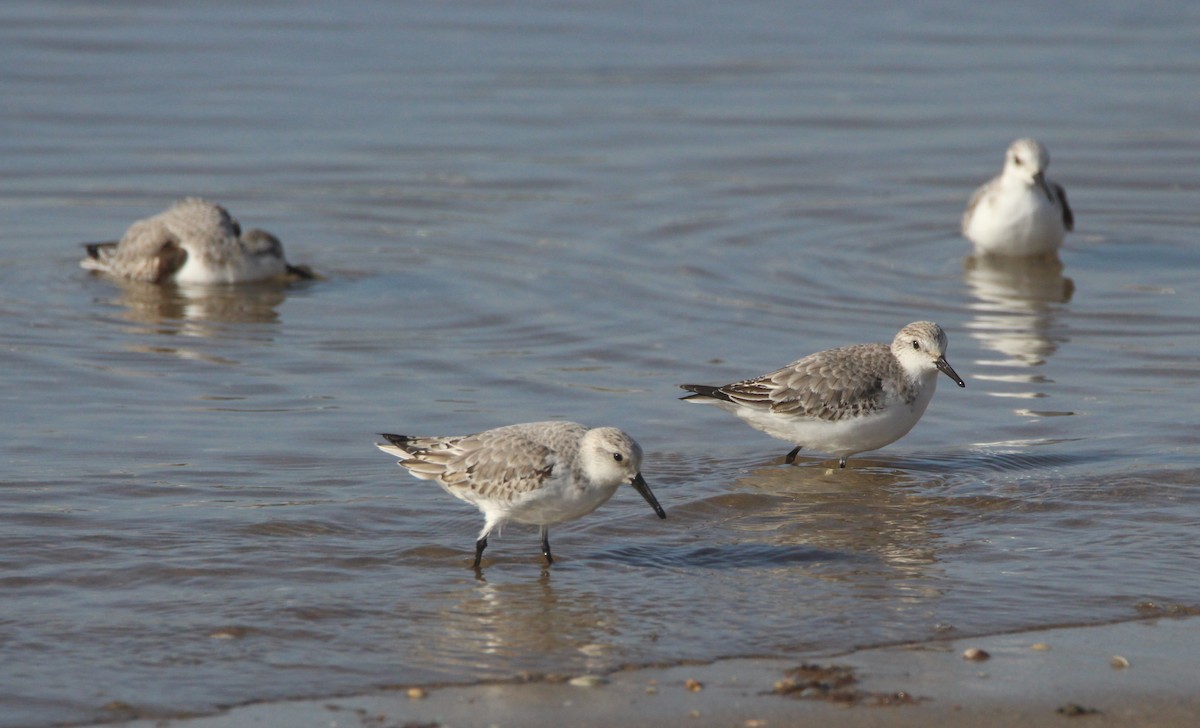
(193, 241)
(1019, 212)
(842, 401)
(541, 473)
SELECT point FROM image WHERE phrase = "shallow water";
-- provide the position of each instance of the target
(534, 212)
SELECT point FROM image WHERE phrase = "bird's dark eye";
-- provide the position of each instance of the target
(1017, 161)
(618, 457)
(917, 345)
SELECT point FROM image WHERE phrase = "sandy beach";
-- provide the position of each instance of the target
(1139, 673)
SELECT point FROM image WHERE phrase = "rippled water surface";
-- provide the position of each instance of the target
(530, 211)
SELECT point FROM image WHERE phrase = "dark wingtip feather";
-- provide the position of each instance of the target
(93, 249)
(302, 272)
(703, 390)
(1068, 215)
(399, 440)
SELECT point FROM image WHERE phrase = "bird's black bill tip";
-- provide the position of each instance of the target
(1040, 180)
(945, 368)
(639, 484)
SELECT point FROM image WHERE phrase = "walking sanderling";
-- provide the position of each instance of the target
(1019, 212)
(842, 401)
(541, 473)
(192, 241)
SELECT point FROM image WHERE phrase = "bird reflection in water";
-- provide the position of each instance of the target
(869, 509)
(192, 309)
(524, 624)
(1014, 316)
(247, 311)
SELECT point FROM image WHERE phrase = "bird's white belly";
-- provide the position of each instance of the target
(246, 269)
(847, 436)
(1018, 223)
(557, 501)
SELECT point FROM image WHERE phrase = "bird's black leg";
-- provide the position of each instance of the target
(480, 545)
(791, 456)
(545, 532)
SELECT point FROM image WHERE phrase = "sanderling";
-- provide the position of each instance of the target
(192, 241)
(541, 473)
(842, 401)
(1019, 212)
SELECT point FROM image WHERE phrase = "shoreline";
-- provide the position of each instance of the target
(1136, 673)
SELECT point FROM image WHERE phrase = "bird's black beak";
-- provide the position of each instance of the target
(945, 368)
(1040, 179)
(639, 484)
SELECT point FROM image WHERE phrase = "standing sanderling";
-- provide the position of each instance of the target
(192, 241)
(1019, 212)
(842, 401)
(540, 473)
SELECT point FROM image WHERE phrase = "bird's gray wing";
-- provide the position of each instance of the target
(496, 464)
(1068, 215)
(149, 251)
(829, 385)
(977, 198)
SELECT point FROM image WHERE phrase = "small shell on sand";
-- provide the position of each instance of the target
(588, 681)
(1118, 662)
(975, 654)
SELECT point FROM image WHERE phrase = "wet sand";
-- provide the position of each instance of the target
(1063, 676)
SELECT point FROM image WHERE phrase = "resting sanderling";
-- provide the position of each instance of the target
(192, 241)
(842, 401)
(1019, 212)
(541, 473)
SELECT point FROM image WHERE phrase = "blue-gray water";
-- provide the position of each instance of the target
(562, 210)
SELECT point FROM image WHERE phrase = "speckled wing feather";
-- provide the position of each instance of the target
(504, 463)
(152, 249)
(149, 251)
(829, 385)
